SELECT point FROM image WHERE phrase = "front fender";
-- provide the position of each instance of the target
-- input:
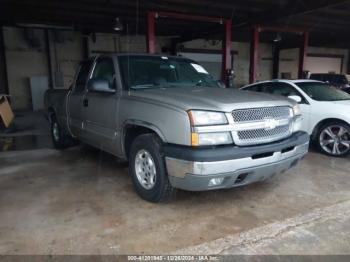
(144, 124)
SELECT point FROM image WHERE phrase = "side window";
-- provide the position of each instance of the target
(255, 88)
(281, 89)
(104, 69)
(82, 76)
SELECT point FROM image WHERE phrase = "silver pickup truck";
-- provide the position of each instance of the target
(176, 125)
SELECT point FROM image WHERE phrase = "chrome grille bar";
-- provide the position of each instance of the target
(261, 125)
(256, 114)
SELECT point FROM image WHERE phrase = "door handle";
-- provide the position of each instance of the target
(85, 102)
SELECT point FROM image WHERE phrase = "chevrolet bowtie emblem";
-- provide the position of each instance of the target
(270, 123)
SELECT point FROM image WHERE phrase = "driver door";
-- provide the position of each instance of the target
(100, 109)
(75, 99)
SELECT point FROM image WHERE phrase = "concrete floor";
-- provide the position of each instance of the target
(81, 201)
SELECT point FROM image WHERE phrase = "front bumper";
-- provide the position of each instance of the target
(193, 168)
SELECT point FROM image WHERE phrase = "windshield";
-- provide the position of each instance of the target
(140, 72)
(323, 92)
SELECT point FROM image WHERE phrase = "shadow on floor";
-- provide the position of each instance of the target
(27, 142)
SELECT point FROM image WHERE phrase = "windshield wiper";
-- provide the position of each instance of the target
(145, 86)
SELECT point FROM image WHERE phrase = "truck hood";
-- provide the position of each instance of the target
(218, 99)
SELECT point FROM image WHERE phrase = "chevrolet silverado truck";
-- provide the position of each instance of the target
(176, 126)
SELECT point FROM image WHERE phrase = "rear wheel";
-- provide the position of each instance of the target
(334, 139)
(147, 168)
(60, 140)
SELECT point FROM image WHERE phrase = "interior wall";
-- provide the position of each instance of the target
(111, 43)
(288, 62)
(323, 65)
(3, 73)
(66, 50)
(332, 51)
(241, 60)
(289, 59)
(23, 61)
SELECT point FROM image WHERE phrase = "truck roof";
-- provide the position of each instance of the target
(139, 54)
(116, 55)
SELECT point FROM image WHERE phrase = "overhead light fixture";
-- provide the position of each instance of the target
(278, 38)
(118, 26)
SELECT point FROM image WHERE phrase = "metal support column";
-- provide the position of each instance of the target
(276, 60)
(302, 54)
(226, 51)
(85, 47)
(254, 55)
(150, 37)
(4, 85)
(48, 56)
(348, 64)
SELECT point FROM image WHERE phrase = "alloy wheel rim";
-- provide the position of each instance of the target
(55, 132)
(145, 169)
(335, 140)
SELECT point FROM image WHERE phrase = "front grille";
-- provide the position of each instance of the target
(256, 114)
(262, 133)
(261, 130)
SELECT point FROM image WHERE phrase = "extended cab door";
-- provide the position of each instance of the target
(100, 108)
(75, 99)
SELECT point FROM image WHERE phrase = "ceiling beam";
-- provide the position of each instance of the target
(292, 9)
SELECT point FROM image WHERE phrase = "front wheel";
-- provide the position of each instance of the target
(334, 139)
(147, 169)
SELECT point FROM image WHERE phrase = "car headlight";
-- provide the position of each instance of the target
(296, 110)
(297, 123)
(206, 118)
(214, 138)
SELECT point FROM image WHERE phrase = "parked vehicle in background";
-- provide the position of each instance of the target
(338, 80)
(325, 111)
(175, 125)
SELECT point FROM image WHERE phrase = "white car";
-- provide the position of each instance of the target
(325, 111)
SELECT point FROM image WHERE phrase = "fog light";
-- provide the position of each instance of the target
(216, 181)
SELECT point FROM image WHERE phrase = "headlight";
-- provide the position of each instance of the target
(206, 118)
(297, 123)
(296, 110)
(215, 138)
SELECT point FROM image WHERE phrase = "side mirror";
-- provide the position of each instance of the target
(295, 98)
(221, 84)
(99, 85)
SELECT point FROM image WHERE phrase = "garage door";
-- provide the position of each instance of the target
(323, 64)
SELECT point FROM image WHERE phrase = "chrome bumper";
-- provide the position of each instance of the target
(195, 176)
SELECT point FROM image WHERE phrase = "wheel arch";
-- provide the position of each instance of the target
(323, 122)
(134, 128)
(50, 113)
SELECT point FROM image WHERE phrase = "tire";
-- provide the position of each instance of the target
(150, 180)
(59, 139)
(333, 139)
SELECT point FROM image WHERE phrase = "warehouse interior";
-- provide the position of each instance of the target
(81, 200)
